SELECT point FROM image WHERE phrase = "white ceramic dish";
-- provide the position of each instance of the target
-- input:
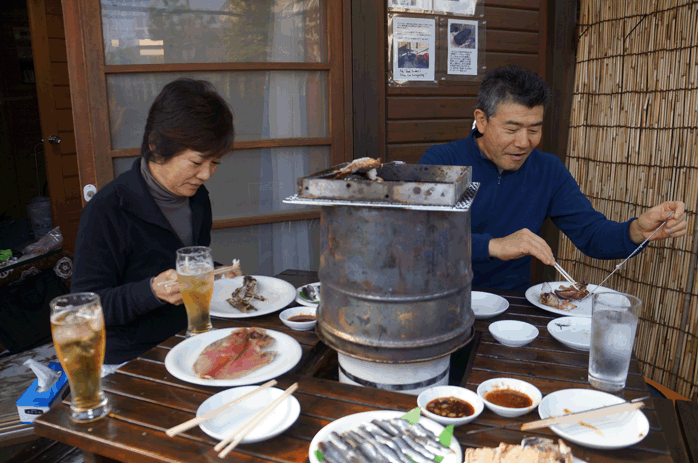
(232, 419)
(302, 300)
(180, 360)
(609, 432)
(294, 311)
(353, 422)
(515, 385)
(513, 333)
(278, 294)
(487, 305)
(450, 391)
(582, 309)
(574, 332)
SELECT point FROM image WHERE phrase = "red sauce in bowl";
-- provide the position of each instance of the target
(302, 318)
(509, 398)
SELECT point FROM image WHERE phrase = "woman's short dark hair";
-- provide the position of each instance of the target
(511, 84)
(188, 114)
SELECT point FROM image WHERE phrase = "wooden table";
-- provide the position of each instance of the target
(146, 400)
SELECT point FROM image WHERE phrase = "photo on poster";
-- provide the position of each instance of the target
(462, 47)
(419, 5)
(464, 7)
(413, 49)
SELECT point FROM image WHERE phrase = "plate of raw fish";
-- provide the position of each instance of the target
(233, 357)
(250, 296)
(232, 419)
(555, 294)
(382, 436)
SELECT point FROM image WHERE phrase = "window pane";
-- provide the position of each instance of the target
(269, 249)
(266, 104)
(213, 31)
(249, 182)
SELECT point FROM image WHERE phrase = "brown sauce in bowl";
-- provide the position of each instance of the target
(509, 398)
(302, 318)
(450, 407)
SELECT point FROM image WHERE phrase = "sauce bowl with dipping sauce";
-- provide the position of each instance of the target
(509, 397)
(300, 318)
(450, 405)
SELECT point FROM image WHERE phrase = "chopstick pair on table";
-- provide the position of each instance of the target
(635, 404)
(236, 437)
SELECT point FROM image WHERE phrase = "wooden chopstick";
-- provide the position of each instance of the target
(251, 424)
(588, 415)
(195, 421)
(217, 271)
(566, 276)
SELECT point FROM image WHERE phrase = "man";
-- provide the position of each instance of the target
(520, 187)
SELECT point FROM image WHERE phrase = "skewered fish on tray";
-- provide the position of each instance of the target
(243, 296)
(365, 167)
(384, 440)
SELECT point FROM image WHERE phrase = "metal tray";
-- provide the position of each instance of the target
(463, 204)
(404, 184)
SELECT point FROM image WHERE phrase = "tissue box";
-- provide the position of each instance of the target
(33, 404)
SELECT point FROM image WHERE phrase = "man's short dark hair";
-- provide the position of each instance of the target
(511, 84)
(188, 114)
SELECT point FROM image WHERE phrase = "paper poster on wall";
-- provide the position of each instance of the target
(413, 48)
(462, 47)
(421, 5)
(464, 7)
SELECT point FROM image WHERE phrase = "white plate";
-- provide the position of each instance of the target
(180, 360)
(608, 432)
(278, 294)
(574, 332)
(487, 305)
(353, 422)
(222, 425)
(582, 309)
(302, 300)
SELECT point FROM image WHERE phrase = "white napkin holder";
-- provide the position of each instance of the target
(33, 404)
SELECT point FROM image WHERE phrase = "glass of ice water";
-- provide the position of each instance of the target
(613, 325)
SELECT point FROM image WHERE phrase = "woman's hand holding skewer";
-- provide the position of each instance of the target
(167, 292)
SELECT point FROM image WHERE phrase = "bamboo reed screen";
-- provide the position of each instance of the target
(632, 145)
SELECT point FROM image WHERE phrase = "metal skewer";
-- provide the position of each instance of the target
(632, 254)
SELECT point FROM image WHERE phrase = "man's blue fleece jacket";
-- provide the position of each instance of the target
(512, 200)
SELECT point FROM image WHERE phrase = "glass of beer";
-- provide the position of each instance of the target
(195, 275)
(77, 327)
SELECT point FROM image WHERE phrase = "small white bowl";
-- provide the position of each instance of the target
(450, 391)
(515, 385)
(487, 305)
(300, 310)
(513, 333)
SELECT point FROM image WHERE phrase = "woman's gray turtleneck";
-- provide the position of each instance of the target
(175, 208)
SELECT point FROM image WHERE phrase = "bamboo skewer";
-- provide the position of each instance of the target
(588, 415)
(195, 421)
(218, 271)
(240, 434)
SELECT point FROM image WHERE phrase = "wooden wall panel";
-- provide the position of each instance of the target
(54, 26)
(417, 117)
(62, 97)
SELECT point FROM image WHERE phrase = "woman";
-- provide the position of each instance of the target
(131, 229)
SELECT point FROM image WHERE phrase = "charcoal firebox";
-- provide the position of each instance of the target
(395, 261)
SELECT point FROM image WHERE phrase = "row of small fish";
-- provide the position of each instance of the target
(384, 441)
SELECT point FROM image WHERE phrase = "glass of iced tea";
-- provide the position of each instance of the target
(77, 327)
(195, 275)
